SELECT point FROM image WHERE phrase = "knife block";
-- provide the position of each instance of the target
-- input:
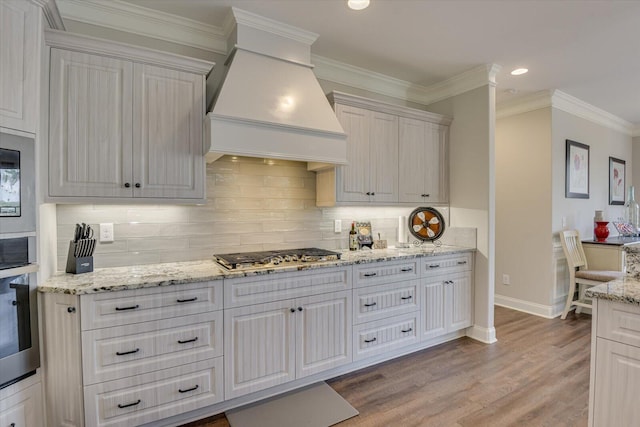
(78, 265)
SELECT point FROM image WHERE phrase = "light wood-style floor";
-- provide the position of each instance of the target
(537, 374)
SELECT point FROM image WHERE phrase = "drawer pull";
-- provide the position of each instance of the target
(462, 262)
(406, 298)
(371, 340)
(118, 353)
(434, 265)
(188, 390)
(121, 406)
(188, 341)
(70, 309)
(187, 300)
(371, 304)
(404, 270)
(133, 307)
(370, 274)
(404, 331)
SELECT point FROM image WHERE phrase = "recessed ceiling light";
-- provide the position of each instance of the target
(358, 4)
(519, 71)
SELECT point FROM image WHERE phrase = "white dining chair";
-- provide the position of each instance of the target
(580, 276)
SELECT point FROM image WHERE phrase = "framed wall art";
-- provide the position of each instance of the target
(577, 170)
(616, 181)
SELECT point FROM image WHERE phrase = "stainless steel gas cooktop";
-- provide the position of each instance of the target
(245, 260)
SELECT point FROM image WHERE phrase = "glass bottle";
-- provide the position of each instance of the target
(353, 238)
(632, 211)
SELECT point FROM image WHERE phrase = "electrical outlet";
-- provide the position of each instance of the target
(506, 280)
(337, 226)
(106, 232)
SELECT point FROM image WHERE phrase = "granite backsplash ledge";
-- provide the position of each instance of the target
(252, 205)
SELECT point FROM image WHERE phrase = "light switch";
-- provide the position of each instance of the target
(106, 232)
(337, 226)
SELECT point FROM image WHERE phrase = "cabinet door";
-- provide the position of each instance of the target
(383, 157)
(423, 158)
(323, 337)
(20, 32)
(458, 302)
(90, 126)
(168, 110)
(23, 409)
(433, 307)
(259, 347)
(615, 393)
(352, 180)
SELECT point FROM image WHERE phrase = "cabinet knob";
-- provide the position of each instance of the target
(127, 185)
(368, 193)
(293, 310)
(299, 308)
(71, 309)
(373, 194)
(138, 185)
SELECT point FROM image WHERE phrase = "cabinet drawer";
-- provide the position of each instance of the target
(121, 351)
(121, 308)
(259, 289)
(385, 335)
(378, 302)
(153, 396)
(447, 264)
(619, 322)
(386, 272)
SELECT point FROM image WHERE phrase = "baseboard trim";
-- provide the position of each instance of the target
(546, 311)
(482, 334)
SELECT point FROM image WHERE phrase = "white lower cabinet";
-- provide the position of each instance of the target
(132, 357)
(446, 304)
(615, 372)
(273, 343)
(385, 335)
(23, 408)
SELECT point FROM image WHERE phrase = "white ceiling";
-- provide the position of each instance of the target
(586, 48)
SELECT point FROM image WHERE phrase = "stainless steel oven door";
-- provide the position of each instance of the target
(18, 323)
(17, 184)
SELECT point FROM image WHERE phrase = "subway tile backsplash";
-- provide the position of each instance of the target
(252, 204)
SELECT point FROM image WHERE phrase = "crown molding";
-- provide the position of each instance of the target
(127, 17)
(572, 105)
(569, 104)
(51, 13)
(274, 27)
(122, 16)
(361, 78)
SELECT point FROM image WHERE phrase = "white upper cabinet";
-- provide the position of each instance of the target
(396, 155)
(372, 152)
(20, 32)
(423, 161)
(123, 124)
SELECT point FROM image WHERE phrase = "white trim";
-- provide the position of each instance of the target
(482, 334)
(122, 16)
(572, 105)
(274, 27)
(51, 13)
(546, 311)
(72, 41)
(569, 104)
(361, 78)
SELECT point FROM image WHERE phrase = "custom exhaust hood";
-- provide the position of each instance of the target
(270, 104)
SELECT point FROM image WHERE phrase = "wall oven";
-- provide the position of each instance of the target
(19, 355)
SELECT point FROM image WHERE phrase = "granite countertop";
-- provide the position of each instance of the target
(626, 290)
(615, 241)
(145, 276)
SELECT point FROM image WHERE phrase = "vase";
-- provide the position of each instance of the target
(601, 231)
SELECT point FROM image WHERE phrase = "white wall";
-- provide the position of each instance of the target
(603, 142)
(523, 206)
(472, 183)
